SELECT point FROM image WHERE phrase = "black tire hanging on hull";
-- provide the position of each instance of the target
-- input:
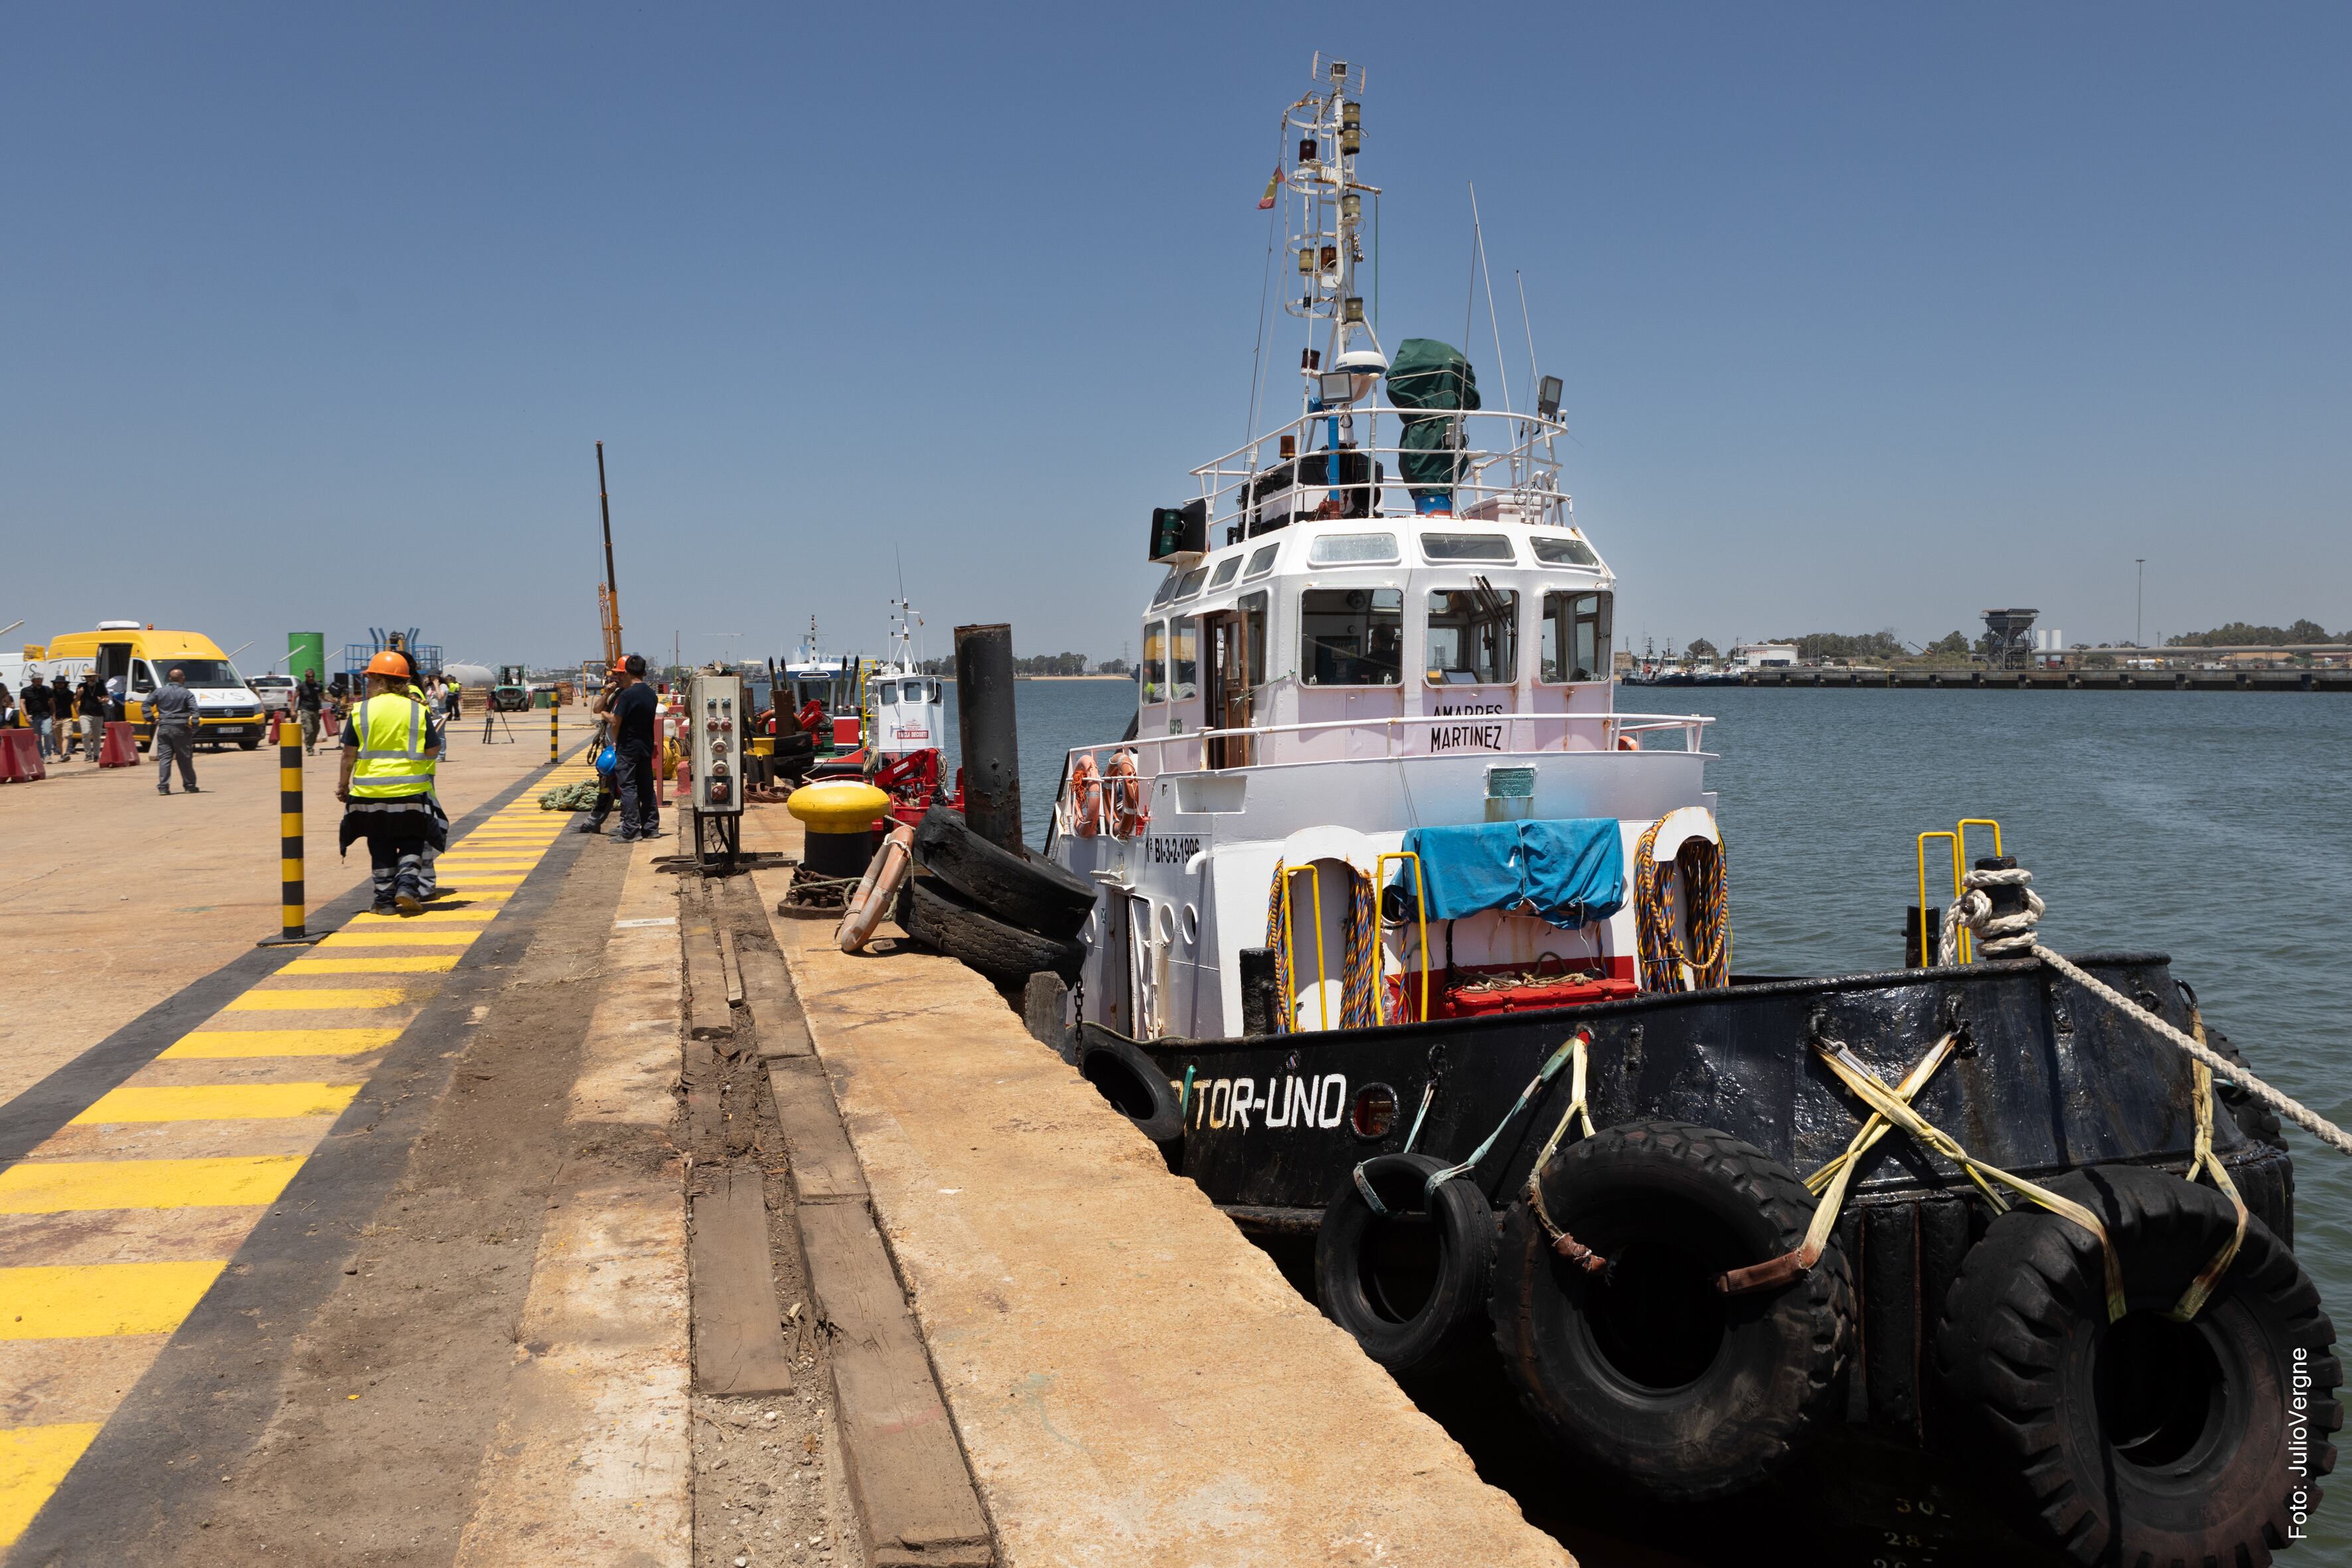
(2144, 1440)
(1410, 1285)
(1645, 1369)
(1135, 1086)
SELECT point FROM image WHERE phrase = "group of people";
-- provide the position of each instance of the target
(624, 712)
(66, 715)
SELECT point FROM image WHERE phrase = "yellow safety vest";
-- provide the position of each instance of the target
(392, 733)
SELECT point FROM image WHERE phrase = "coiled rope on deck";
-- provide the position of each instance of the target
(2013, 936)
(1658, 918)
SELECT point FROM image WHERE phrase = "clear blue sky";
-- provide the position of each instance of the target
(1869, 315)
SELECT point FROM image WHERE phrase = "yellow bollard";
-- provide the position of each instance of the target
(292, 925)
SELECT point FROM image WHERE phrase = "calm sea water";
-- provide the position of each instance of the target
(2206, 825)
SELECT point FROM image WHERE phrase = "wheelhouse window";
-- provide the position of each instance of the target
(1167, 587)
(1187, 682)
(1225, 570)
(1440, 547)
(1576, 634)
(1474, 635)
(1351, 636)
(1262, 560)
(1352, 549)
(1155, 661)
(887, 692)
(1253, 608)
(1192, 584)
(1564, 550)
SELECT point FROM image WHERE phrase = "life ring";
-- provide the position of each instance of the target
(1410, 1285)
(1086, 796)
(1628, 742)
(1645, 1368)
(1123, 783)
(877, 891)
(2144, 1439)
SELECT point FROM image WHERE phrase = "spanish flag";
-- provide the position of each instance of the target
(1273, 184)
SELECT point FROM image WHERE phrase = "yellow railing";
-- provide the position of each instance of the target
(1289, 948)
(1421, 899)
(1959, 839)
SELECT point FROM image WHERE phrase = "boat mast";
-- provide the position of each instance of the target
(1327, 213)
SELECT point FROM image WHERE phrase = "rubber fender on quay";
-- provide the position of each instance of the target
(1644, 1369)
(1410, 1285)
(1124, 1074)
(940, 918)
(1022, 889)
(2144, 1440)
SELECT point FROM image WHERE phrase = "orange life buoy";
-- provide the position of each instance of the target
(877, 891)
(1123, 783)
(1628, 742)
(1086, 796)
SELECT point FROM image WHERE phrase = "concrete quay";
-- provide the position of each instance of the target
(603, 1215)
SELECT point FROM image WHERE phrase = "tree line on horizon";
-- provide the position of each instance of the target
(1954, 646)
(1040, 664)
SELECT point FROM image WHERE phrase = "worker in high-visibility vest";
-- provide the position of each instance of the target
(428, 877)
(390, 747)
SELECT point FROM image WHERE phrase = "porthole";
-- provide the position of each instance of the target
(1191, 925)
(1373, 1113)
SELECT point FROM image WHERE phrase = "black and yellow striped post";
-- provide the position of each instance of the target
(293, 919)
(554, 745)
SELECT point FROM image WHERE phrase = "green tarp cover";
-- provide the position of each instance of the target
(1429, 374)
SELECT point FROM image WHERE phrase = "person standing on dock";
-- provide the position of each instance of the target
(173, 706)
(633, 748)
(94, 714)
(307, 702)
(389, 749)
(36, 703)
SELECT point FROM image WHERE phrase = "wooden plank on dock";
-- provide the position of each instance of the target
(739, 1341)
(727, 967)
(825, 1167)
(707, 1017)
(906, 1474)
(775, 1010)
(706, 1125)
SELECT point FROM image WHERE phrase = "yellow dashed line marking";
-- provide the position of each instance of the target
(375, 936)
(499, 880)
(63, 1186)
(315, 1001)
(418, 965)
(32, 1460)
(226, 1043)
(80, 1301)
(216, 1102)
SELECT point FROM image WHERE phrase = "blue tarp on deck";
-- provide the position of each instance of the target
(1571, 871)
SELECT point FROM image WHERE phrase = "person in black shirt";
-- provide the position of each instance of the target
(93, 712)
(36, 703)
(308, 700)
(633, 748)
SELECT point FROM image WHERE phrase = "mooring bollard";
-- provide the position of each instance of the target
(991, 755)
(293, 927)
(554, 748)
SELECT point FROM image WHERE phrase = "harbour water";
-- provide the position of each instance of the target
(2204, 826)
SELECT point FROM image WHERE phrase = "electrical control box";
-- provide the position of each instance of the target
(720, 727)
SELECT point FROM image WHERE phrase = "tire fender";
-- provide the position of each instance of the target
(1125, 1075)
(2145, 1439)
(1410, 1285)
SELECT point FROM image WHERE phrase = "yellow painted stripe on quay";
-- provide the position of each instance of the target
(76, 1186)
(83, 1300)
(316, 1001)
(214, 1045)
(430, 917)
(422, 965)
(32, 1460)
(369, 936)
(216, 1102)
(499, 880)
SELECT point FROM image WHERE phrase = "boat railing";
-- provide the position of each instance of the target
(1505, 466)
(1526, 734)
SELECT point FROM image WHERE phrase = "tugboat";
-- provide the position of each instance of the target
(1394, 930)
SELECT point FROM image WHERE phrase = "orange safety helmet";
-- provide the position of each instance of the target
(388, 663)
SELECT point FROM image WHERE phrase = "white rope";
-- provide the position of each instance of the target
(2012, 936)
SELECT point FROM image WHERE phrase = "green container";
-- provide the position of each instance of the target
(306, 654)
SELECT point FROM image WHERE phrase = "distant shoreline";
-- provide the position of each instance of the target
(1074, 677)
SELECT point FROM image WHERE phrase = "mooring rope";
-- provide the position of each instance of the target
(2013, 936)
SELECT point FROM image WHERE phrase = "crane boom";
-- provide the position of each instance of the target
(608, 592)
